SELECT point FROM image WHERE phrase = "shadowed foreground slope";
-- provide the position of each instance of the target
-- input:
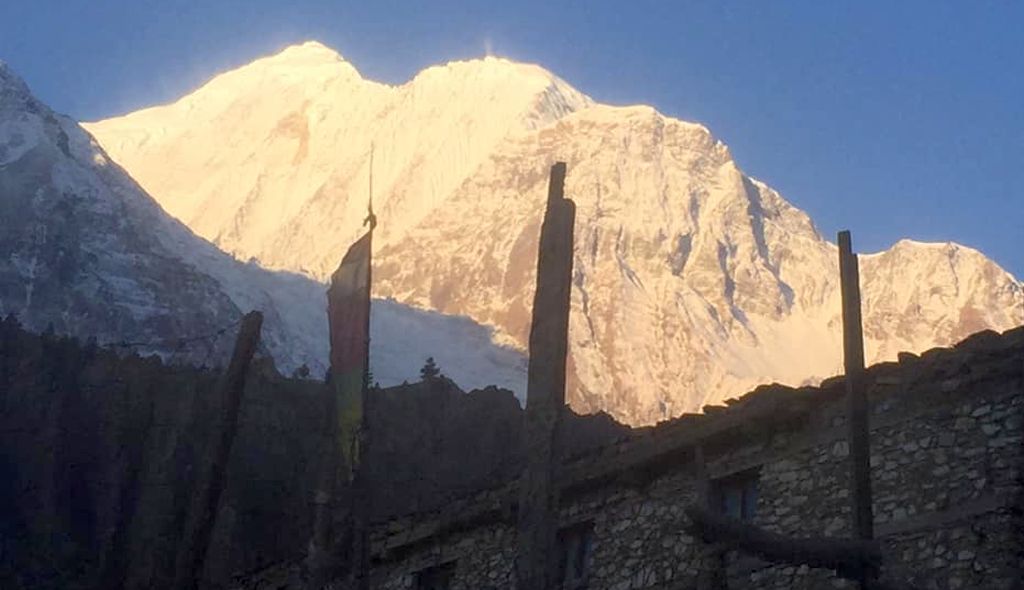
(98, 455)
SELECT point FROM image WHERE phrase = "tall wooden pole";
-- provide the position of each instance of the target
(341, 555)
(537, 560)
(203, 513)
(856, 397)
(361, 496)
(711, 570)
(320, 562)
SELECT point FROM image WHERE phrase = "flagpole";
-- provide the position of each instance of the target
(346, 403)
(371, 219)
(361, 497)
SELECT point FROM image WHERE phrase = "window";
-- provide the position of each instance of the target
(736, 495)
(574, 547)
(435, 577)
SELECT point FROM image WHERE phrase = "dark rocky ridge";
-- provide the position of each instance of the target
(436, 443)
(98, 454)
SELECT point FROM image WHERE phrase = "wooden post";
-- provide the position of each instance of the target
(361, 501)
(700, 468)
(135, 438)
(537, 559)
(856, 397)
(203, 513)
(711, 571)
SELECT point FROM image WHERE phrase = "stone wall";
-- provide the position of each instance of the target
(483, 558)
(946, 460)
(946, 467)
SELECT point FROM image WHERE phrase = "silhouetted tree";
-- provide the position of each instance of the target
(429, 370)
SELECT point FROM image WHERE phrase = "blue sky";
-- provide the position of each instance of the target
(892, 119)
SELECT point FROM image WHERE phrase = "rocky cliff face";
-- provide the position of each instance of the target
(79, 244)
(85, 250)
(89, 253)
(693, 281)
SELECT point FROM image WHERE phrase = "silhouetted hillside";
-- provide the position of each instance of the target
(98, 455)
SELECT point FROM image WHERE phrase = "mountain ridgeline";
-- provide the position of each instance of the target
(89, 254)
(692, 281)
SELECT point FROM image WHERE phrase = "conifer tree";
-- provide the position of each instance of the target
(429, 370)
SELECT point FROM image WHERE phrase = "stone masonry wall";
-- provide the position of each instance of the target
(483, 560)
(946, 468)
(946, 460)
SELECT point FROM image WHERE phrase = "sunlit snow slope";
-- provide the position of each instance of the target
(85, 251)
(693, 281)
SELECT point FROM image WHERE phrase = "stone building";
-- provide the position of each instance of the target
(97, 454)
(946, 458)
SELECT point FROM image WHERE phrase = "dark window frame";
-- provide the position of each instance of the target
(575, 549)
(735, 495)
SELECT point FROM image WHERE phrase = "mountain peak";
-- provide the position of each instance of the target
(308, 51)
(10, 81)
(491, 65)
(302, 60)
(490, 69)
(909, 243)
(920, 251)
(947, 249)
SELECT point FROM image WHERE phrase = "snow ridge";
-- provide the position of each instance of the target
(692, 282)
(92, 255)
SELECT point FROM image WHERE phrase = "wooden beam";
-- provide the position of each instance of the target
(856, 397)
(537, 556)
(849, 558)
(203, 513)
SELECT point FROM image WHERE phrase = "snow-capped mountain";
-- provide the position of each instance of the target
(81, 250)
(86, 250)
(693, 281)
(271, 161)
